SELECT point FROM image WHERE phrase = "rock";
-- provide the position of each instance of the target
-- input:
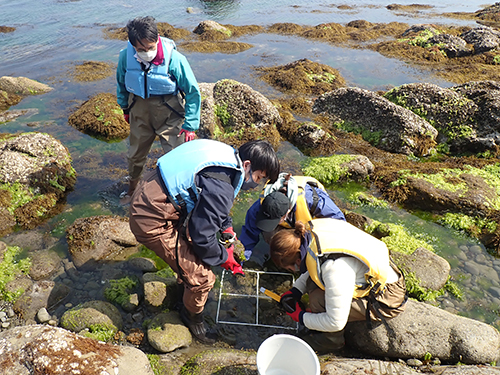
(452, 45)
(431, 269)
(41, 294)
(92, 315)
(359, 168)
(483, 38)
(101, 116)
(208, 119)
(390, 126)
(51, 350)
(39, 166)
(23, 86)
(309, 135)
(42, 316)
(160, 292)
(143, 264)
(211, 30)
(44, 264)
(99, 239)
(167, 333)
(8, 99)
(449, 112)
(422, 329)
(242, 114)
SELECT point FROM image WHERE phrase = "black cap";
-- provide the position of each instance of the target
(272, 209)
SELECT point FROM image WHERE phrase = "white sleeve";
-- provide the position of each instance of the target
(339, 277)
(300, 283)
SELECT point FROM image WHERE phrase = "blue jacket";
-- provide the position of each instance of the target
(180, 70)
(179, 167)
(249, 236)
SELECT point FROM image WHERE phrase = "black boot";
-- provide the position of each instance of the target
(196, 325)
(324, 342)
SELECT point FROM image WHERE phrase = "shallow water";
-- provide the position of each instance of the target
(51, 36)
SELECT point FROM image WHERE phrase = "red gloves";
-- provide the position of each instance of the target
(230, 264)
(297, 315)
(290, 298)
(228, 236)
(126, 117)
(189, 135)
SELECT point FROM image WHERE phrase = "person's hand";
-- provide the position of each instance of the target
(126, 116)
(188, 135)
(230, 264)
(297, 314)
(290, 298)
(228, 236)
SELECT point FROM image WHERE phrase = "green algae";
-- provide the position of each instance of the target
(329, 169)
(470, 225)
(144, 252)
(12, 266)
(101, 332)
(120, 289)
(19, 195)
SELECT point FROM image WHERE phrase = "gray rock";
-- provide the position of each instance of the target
(483, 38)
(359, 168)
(205, 26)
(55, 350)
(43, 316)
(167, 333)
(208, 119)
(399, 130)
(155, 295)
(44, 264)
(422, 329)
(448, 111)
(452, 45)
(431, 269)
(98, 239)
(23, 86)
(143, 264)
(42, 293)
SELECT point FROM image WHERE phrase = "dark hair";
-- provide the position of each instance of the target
(285, 245)
(262, 156)
(142, 28)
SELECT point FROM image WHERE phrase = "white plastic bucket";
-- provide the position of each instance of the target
(286, 355)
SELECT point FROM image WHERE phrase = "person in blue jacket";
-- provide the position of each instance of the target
(158, 93)
(179, 209)
(281, 204)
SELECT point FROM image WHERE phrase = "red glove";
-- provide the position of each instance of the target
(297, 314)
(126, 117)
(230, 264)
(290, 298)
(189, 135)
(228, 236)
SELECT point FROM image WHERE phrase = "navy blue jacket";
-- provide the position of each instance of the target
(211, 215)
(326, 208)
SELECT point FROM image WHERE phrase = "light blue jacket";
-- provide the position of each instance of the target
(178, 69)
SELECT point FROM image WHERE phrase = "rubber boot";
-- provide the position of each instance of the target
(196, 325)
(325, 342)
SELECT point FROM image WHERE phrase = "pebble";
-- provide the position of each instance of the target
(43, 316)
(10, 312)
(414, 362)
(5, 325)
(3, 316)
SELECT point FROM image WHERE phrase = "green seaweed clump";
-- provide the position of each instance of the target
(473, 226)
(415, 290)
(100, 332)
(329, 169)
(397, 238)
(11, 267)
(120, 289)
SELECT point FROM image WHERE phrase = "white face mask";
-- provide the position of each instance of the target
(147, 56)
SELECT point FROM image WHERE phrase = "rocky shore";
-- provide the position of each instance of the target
(110, 307)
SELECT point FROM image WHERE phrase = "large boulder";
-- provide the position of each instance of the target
(448, 111)
(35, 174)
(483, 38)
(101, 117)
(23, 86)
(42, 349)
(241, 114)
(384, 124)
(100, 239)
(423, 329)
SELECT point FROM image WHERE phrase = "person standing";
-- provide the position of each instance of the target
(178, 209)
(158, 93)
